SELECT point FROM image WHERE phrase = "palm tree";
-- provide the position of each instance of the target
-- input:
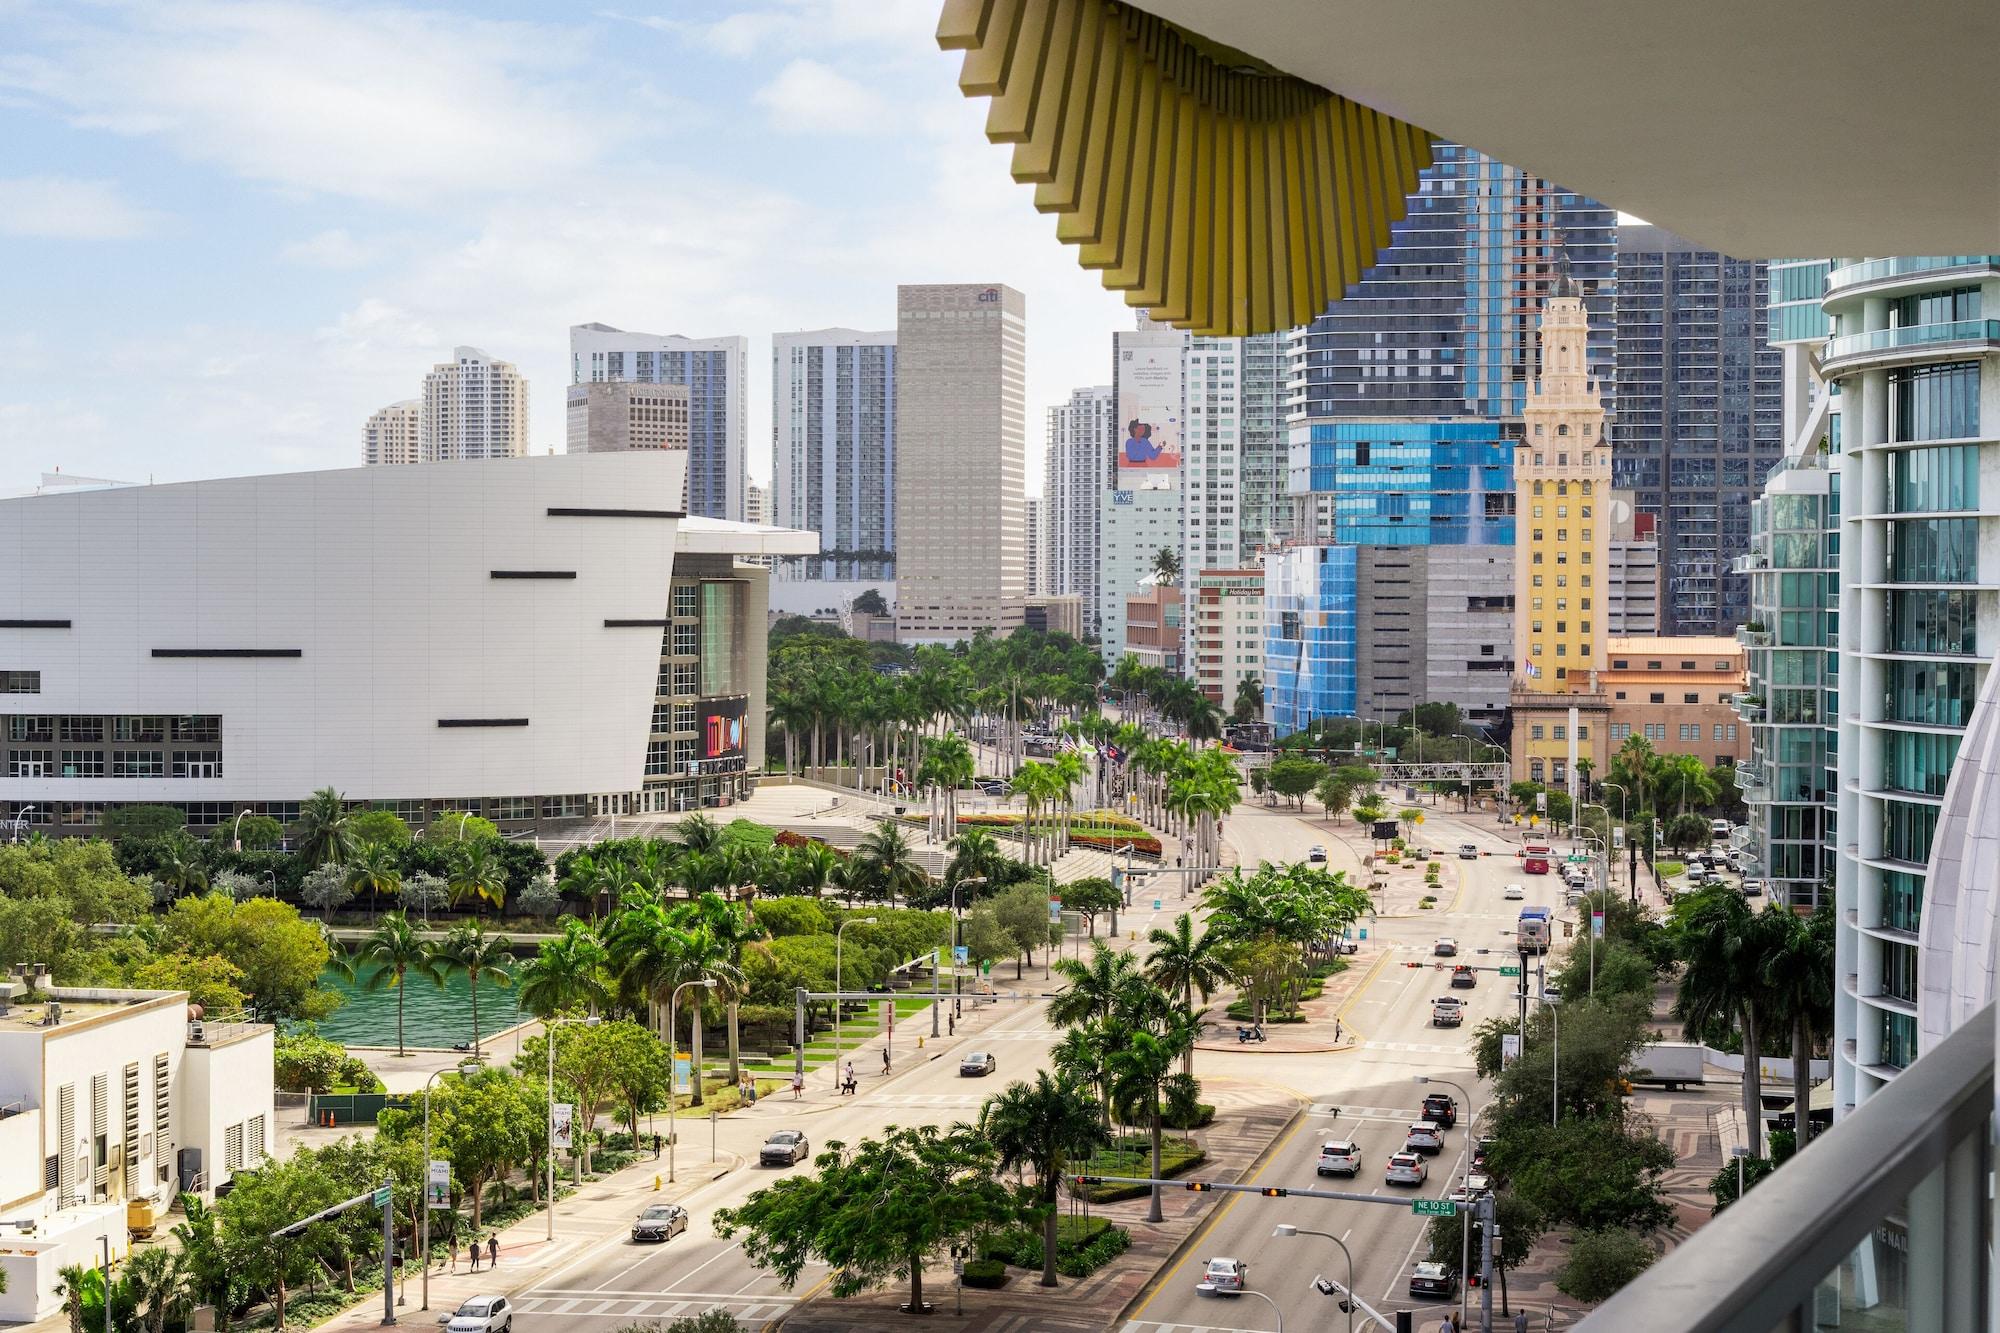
(589, 878)
(1043, 1125)
(698, 833)
(567, 973)
(180, 866)
(975, 854)
(1725, 947)
(1185, 964)
(1202, 720)
(476, 872)
(323, 833)
(890, 863)
(733, 927)
(374, 871)
(397, 952)
(810, 869)
(159, 1285)
(1096, 989)
(949, 763)
(1138, 1071)
(77, 1281)
(1166, 566)
(1798, 972)
(469, 949)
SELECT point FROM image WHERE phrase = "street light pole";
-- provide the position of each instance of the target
(1287, 1229)
(673, 1060)
(1556, 1061)
(838, 988)
(423, 1241)
(236, 831)
(551, 1025)
(1465, 1227)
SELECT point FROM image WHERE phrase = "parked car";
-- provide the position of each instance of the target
(481, 1314)
(1468, 851)
(1515, 893)
(977, 1064)
(1479, 1182)
(1441, 1109)
(785, 1147)
(1446, 947)
(1481, 1150)
(1424, 1137)
(1463, 977)
(1340, 1157)
(1433, 1281)
(1225, 1274)
(1405, 1168)
(1316, 854)
(1347, 946)
(661, 1221)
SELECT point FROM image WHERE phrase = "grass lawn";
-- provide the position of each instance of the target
(1133, 1156)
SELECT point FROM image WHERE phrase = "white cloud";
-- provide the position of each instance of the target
(372, 104)
(64, 209)
(810, 98)
(799, 25)
(333, 248)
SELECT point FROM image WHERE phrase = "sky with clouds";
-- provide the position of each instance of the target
(232, 230)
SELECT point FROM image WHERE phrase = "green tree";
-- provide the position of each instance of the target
(139, 823)
(322, 833)
(878, 1212)
(211, 981)
(641, 1069)
(1185, 965)
(1601, 1262)
(380, 826)
(454, 826)
(567, 972)
(477, 873)
(890, 863)
(1166, 566)
(1091, 897)
(1096, 989)
(396, 951)
(1517, 1226)
(470, 951)
(1435, 719)
(1725, 947)
(870, 603)
(1138, 1074)
(1684, 833)
(1043, 1126)
(307, 1062)
(1588, 1172)
(181, 865)
(280, 955)
(157, 1279)
(1023, 912)
(374, 872)
(251, 833)
(1334, 793)
(1249, 702)
(1293, 778)
(1797, 976)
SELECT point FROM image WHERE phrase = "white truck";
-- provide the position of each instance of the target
(1669, 1063)
(1447, 1011)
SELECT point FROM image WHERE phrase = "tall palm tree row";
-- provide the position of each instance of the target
(397, 951)
(657, 946)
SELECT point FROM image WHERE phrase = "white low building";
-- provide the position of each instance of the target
(108, 1097)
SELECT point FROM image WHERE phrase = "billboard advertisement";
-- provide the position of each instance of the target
(719, 740)
(1149, 411)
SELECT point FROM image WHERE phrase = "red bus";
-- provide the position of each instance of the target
(1535, 858)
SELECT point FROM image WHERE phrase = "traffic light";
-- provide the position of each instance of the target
(1274, 1192)
(1198, 1186)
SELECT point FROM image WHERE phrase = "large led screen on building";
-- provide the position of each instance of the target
(1149, 412)
(720, 723)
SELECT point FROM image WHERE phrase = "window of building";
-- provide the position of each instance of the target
(141, 729)
(1656, 731)
(1656, 698)
(1652, 666)
(138, 764)
(1562, 731)
(20, 682)
(195, 729)
(83, 763)
(686, 599)
(1535, 731)
(30, 763)
(1620, 730)
(196, 764)
(1691, 698)
(1582, 731)
(1535, 770)
(685, 640)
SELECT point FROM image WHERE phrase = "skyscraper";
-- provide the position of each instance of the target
(1036, 543)
(612, 417)
(1143, 476)
(961, 460)
(1443, 325)
(392, 434)
(1700, 419)
(474, 407)
(713, 369)
(1080, 441)
(833, 449)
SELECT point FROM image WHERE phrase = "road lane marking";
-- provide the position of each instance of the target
(1270, 1155)
(655, 1296)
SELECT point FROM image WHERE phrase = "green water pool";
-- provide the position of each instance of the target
(432, 1015)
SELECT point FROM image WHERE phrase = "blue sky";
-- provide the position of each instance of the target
(232, 230)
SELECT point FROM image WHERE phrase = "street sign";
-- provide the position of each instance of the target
(437, 1192)
(1433, 1207)
(382, 1197)
(1510, 971)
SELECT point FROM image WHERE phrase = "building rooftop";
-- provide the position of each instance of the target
(78, 1005)
(720, 536)
(1700, 645)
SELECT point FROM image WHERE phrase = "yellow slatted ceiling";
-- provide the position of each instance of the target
(1224, 199)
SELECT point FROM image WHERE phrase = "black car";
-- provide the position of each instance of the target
(1433, 1280)
(1441, 1110)
(662, 1221)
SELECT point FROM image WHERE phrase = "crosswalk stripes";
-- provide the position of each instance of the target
(950, 1100)
(1418, 1047)
(1149, 1326)
(650, 1305)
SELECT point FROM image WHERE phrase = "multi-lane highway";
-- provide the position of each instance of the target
(1365, 1093)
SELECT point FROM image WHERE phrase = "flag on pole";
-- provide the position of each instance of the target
(1534, 672)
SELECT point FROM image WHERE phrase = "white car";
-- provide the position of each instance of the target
(1340, 1157)
(1753, 888)
(1515, 893)
(1225, 1275)
(481, 1314)
(1405, 1168)
(1424, 1137)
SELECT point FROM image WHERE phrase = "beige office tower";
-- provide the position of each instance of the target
(961, 461)
(474, 407)
(614, 416)
(391, 434)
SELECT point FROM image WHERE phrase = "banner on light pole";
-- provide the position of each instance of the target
(564, 1123)
(1510, 1048)
(1597, 925)
(437, 1185)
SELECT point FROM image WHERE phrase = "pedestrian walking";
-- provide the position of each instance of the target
(798, 1087)
(1336, 1030)
(493, 1250)
(885, 1059)
(1520, 1321)
(657, 1145)
(951, 1025)
(472, 1252)
(451, 1243)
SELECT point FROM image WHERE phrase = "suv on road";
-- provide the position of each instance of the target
(1441, 1109)
(1405, 1168)
(1464, 978)
(1316, 854)
(1340, 1157)
(1424, 1137)
(1468, 851)
(1446, 947)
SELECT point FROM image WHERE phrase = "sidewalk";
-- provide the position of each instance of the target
(601, 1208)
(1247, 1122)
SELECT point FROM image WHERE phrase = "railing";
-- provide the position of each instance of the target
(1877, 269)
(1915, 335)
(1899, 1184)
